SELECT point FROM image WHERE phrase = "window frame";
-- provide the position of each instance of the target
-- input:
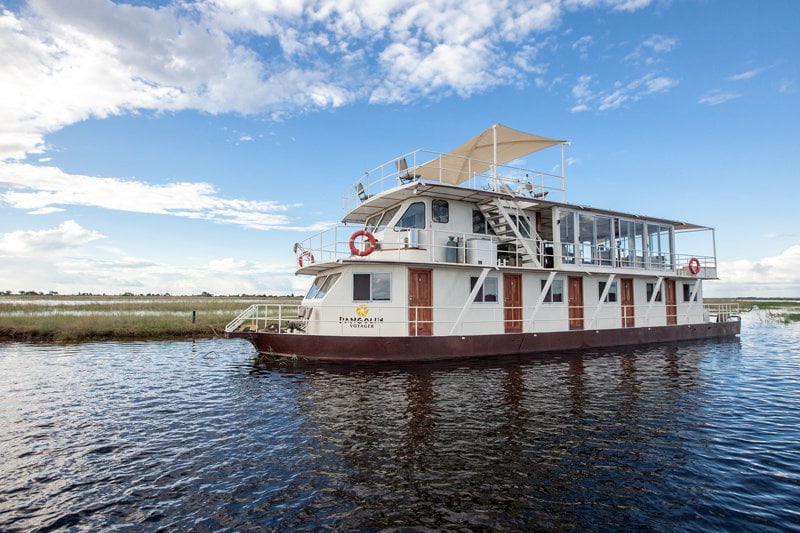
(480, 298)
(687, 294)
(549, 296)
(650, 288)
(446, 206)
(372, 286)
(330, 279)
(411, 206)
(613, 291)
(314, 285)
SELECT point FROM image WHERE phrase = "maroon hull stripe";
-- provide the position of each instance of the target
(341, 348)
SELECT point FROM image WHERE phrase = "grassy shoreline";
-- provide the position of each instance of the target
(76, 319)
(98, 318)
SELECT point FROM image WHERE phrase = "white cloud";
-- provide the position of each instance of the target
(70, 234)
(746, 75)
(64, 62)
(771, 276)
(45, 189)
(45, 211)
(71, 275)
(660, 43)
(786, 86)
(621, 92)
(245, 138)
(718, 96)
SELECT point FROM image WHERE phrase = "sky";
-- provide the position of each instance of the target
(184, 146)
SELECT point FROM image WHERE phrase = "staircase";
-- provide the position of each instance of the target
(502, 215)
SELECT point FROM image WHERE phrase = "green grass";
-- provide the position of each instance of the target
(747, 303)
(114, 317)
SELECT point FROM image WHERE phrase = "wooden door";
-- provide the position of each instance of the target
(420, 312)
(575, 299)
(669, 297)
(626, 288)
(512, 302)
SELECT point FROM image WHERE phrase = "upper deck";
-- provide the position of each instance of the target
(428, 207)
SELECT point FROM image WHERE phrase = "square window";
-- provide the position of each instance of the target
(612, 292)
(687, 292)
(440, 211)
(555, 294)
(650, 288)
(488, 292)
(372, 287)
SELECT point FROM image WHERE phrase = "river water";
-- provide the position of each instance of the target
(201, 436)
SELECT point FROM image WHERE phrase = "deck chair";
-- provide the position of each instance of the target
(402, 172)
(362, 194)
(530, 189)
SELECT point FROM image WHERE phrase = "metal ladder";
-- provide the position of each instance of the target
(499, 213)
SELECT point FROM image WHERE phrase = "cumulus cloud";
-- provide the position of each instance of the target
(48, 189)
(64, 62)
(68, 274)
(770, 276)
(619, 94)
(717, 97)
(70, 234)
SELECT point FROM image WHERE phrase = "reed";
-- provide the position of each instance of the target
(108, 318)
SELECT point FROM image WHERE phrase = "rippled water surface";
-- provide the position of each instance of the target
(200, 436)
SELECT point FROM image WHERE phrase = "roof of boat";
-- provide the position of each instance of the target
(392, 197)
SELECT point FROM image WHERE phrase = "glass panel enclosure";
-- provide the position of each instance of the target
(665, 239)
(626, 248)
(638, 232)
(586, 238)
(414, 217)
(605, 246)
(566, 225)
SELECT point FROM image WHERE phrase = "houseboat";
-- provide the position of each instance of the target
(465, 254)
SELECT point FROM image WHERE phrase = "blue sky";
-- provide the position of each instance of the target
(184, 146)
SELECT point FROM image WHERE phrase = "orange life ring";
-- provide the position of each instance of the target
(694, 266)
(373, 243)
(305, 254)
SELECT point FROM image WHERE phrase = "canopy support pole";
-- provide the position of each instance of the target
(494, 155)
(563, 174)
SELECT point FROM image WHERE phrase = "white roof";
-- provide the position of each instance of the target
(495, 146)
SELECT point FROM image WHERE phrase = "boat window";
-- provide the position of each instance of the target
(650, 288)
(371, 223)
(638, 232)
(387, 217)
(318, 281)
(479, 224)
(555, 294)
(372, 287)
(626, 247)
(605, 245)
(414, 217)
(586, 238)
(523, 225)
(687, 292)
(653, 243)
(665, 241)
(487, 293)
(326, 287)
(441, 211)
(381, 286)
(612, 292)
(566, 229)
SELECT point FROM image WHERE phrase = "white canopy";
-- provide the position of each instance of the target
(495, 146)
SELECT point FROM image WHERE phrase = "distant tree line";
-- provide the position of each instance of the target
(203, 294)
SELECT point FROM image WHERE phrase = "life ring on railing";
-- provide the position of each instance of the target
(694, 266)
(305, 255)
(373, 243)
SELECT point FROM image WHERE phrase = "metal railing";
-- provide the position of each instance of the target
(436, 246)
(435, 167)
(438, 321)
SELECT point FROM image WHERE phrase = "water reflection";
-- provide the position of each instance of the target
(172, 435)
